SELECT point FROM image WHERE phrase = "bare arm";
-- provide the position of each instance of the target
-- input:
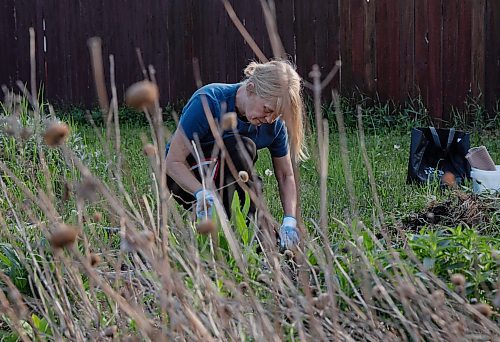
(177, 167)
(286, 184)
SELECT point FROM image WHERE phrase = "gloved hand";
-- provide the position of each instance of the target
(204, 203)
(289, 234)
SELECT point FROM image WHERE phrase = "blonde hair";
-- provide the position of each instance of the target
(278, 80)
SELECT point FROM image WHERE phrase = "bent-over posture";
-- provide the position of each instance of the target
(269, 108)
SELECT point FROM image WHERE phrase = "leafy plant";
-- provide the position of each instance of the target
(13, 268)
(459, 250)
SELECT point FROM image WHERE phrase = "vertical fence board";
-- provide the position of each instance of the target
(370, 48)
(250, 13)
(421, 42)
(346, 84)
(317, 37)
(456, 52)
(449, 53)
(56, 90)
(435, 91)
(492, 62)
(332, 39)
(464, 46)
(180, 40)
(284, 22)
(8, 61)
(235, 48)
(358, 43)
(477, 57)
(407, 51)
(208, 20)
(304, 36)
(24, 17)
(388, 49)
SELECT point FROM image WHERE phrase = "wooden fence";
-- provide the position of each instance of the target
(443, 50)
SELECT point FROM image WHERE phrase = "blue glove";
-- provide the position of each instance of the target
(289, 234)
(204, 204)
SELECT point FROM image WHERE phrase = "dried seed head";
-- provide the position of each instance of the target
(460, 290)
(243, 287)
(449, 179)
(263, 278)
(94, 259)
(66, 191)
(378, 291)
(110, 331)
(438, 320)
(325, 297)
(243, 175)
(137, 241)
(321, 301)
(484, 309)
(430, 217)
(458, 328)
(407, 291)
(130, 338)
(97, 217)
(229, 121)
(289, 303)
(147, 236)
(149, 150)
(317, 304)
(437, 298)
(141, 95)
(226, 310)
(56, 134)
(205, 227)
(288, 254)
(17, 300)
(87, 189)
(12, 126)
(63, 236)
(9, 131)
(26, 133)
(458, 279)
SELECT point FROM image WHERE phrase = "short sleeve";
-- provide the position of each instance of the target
(193, 119)
(279, 146)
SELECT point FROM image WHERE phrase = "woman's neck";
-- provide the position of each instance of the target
(240, 101)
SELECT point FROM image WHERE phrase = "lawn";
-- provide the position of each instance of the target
(419, 274)
(387, 148)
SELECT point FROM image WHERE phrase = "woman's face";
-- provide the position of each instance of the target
(260, 111)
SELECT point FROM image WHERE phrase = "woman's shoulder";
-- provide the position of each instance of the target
(218, 90)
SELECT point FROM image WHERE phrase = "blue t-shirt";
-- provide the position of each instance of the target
(220, 98)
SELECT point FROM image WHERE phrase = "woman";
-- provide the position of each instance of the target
(268, 97)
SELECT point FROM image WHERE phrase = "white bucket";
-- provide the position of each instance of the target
(485, 180)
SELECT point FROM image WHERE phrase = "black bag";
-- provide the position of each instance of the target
(436, 151)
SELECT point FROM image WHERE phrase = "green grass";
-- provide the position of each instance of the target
(442, 250)
(387, 150)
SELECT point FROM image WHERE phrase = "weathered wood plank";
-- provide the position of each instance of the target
(492, 51)
(388, 49)
(345, 30)
(357, 47)
(407, 51)
(435, 86)
(370, 48)
(477, 56)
